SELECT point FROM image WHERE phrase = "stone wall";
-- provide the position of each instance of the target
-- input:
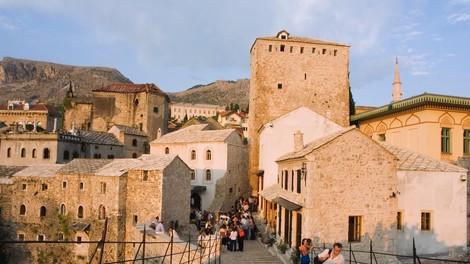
(306, 73)
(79, 116)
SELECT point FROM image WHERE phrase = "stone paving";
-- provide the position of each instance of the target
(254, 252)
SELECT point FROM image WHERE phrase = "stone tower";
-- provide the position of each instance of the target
(290, 72)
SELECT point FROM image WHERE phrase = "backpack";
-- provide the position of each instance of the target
(317, 261)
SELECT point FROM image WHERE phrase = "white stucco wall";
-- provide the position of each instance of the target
(443, 194)
(217, 165)
(277, 137)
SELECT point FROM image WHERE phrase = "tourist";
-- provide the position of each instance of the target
(305, 251)
(335, 257)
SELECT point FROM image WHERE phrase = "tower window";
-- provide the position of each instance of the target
(334, 52)
(279, 86)
(270, 48)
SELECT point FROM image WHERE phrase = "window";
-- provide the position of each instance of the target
(145, 175)
(60, 237)
(23, 153)
(64, 184)
(286, 178)
(63, 209)
(20, 237)
(291, 49)
(134, 142)
(445, 140)
(41, 238)
(208, 175)
(43, 187)
(399, 220)
(323, 51)
(136, 102)
(42, 211)
(270, 48)
(79, 239)
(102, 212)
(381, 137)
(155, 109)
(135, 219)
(313, 50)
(103, 187)
(466, 141)
(80, 212)
(230, 190)
(9, 153)
(66, 155)
(299, 181)
(134, 155)
(96, 147)
(167, 150)
(301, 50)
(208, 154)
(22, 209)
(282, 48)
(81, 186)
(354, 228)
(193, 154)
(45, 153)
(33, 153)
(334, 52)
(426, 221)
(23, 186)
(279, 86)
(193, 175)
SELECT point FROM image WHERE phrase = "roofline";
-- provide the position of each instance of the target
(295, 39)
(419, 100)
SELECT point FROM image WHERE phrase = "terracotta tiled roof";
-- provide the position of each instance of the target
(32, 107)
(103, 138)
(130, 88)
(315, 144)
(130, 130)
(195, 133)
(409, 160)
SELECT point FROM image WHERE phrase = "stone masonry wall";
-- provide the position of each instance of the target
(280, 82)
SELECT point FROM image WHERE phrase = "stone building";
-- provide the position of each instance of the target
(134, 141)
(141, 106)
(18, 114)
(218, 159)
(74, 201)
(23, 149)
(235, 119)
(181, 110)
(336, 189)
(288, 72)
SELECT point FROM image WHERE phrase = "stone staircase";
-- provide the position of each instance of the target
(254, 252)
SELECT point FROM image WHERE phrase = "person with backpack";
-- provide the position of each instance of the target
(331, 256)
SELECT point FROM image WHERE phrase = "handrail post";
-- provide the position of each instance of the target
(143, 242)
(370, 251)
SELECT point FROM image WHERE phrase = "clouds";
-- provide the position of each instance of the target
(178, 44)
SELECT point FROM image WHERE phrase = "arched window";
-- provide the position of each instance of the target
(193, 154)
(80, 212)
(45, 153)
(208, 175)
(9, 153)
(134, 155)
(66, 155)
(63, 209)
(208, 154)
(167, 150)
(102, 212)
(33, 154)
(42, 211)
(22, 209)
(23, 152)
(134, 142)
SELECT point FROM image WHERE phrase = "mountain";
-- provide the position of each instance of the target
(37, 81)
(218, 93)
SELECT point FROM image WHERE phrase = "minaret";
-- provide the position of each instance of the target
(396, 84)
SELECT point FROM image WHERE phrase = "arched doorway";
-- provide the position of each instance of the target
(195, 200)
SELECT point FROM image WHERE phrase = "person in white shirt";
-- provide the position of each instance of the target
(335, 257)
(159, 227)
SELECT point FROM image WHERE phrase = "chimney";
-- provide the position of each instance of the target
(55, 125)
(35, 126)
(298, 141)
(159, 133)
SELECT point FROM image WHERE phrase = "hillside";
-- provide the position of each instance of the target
(218, 93)
(37, 81)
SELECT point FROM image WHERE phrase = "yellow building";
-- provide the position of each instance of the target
(435, 125)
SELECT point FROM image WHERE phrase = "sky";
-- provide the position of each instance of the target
(179, 44)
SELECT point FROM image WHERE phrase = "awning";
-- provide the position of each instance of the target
(198, 188)
(270, 192)
(287, 204)
(79, 226)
